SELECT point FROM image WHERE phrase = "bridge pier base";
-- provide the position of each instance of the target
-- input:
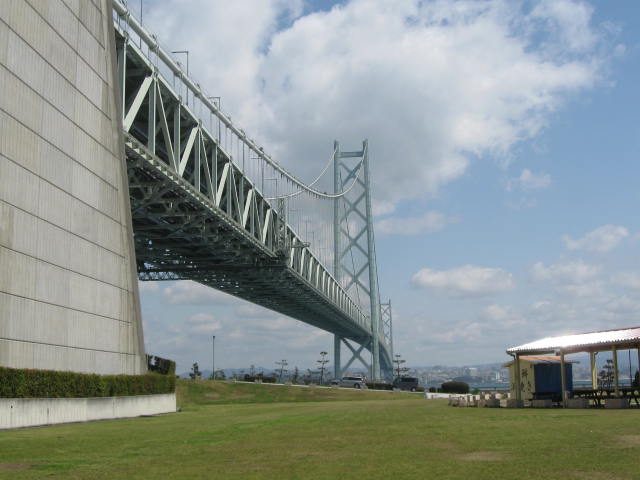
(355, 355)
(337, 345)
(68, 288)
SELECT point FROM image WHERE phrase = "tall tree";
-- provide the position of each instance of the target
(283, 370)
(195, 372)
(607, 374)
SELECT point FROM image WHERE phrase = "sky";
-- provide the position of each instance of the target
(504, 139)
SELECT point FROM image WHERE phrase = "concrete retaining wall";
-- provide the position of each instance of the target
(31, 412)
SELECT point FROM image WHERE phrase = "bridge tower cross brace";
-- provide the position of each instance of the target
(362, 276)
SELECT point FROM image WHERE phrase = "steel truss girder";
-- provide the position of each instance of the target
(197, 216)
(172, 223)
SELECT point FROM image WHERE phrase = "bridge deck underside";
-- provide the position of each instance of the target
(179, 236)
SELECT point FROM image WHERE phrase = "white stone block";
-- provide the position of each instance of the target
(616, 403)
(543, 403)
(577, 403)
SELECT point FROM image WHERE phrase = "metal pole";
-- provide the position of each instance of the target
(563, 379)
(187, 53)
(213, 358)
(614, 351)
(517, 379)
(638, 348)
(594, 371)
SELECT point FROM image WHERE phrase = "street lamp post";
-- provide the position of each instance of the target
(213, 358)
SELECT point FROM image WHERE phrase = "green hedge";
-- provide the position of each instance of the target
(379, 386)
(22, 383)
(455, 387)
(259, 377)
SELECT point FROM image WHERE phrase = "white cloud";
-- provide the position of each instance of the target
(529, 181)
(629, 280)
(567, 22)
(191, 293)
(427, 223)
(430, 83)
(602, 239)
(468, 280)
(148, 287)
(502, 316)
(573, 278)
(203, 323)
(571, 272)
(249, 310)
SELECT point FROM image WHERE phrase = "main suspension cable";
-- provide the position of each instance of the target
(313, 191)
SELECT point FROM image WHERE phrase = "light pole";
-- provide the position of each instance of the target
(186, 52)
(213, 358)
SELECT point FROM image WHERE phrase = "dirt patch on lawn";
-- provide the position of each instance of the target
(628, 440)
(483, 457)
(212, 395)
(592, 475)
(14, 466)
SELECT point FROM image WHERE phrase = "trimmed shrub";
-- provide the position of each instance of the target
(455, 387)
(379, 386)
(161, 365)
(24, 383)
(259, 378)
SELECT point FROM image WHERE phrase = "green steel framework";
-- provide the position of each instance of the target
(197, 216)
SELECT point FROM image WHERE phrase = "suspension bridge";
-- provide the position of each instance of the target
(208, 204)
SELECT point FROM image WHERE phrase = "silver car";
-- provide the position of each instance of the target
(355, 382)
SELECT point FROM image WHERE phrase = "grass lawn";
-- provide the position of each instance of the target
(262, 431)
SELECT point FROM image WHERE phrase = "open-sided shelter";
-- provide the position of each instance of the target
(593, 342)
(540, 376)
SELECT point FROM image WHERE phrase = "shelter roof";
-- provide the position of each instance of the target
(583, 342)
(547, 359)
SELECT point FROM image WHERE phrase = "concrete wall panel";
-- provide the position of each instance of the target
(68, 290)
(4, 42)
(75, 5)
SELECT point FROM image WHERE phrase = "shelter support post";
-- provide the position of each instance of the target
(517, 379)
(594, 371)
(563, 379)
(614, 352)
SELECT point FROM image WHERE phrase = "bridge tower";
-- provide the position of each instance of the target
(355, 256)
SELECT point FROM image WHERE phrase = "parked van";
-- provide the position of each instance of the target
(406, 383)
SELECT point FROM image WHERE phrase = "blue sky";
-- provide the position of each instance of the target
(505, 139)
